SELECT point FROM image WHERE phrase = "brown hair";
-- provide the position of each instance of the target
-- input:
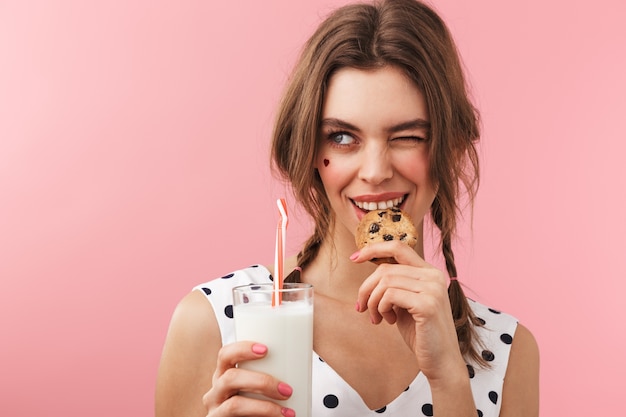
(408, 35)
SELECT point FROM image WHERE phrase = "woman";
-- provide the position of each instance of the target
(376, 114)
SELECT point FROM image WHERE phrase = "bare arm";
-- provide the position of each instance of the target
(189, 358)
(520, 396)
(198, 375)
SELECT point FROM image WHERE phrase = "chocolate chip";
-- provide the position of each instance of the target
(387, 237)
(396, 217)
(374, 228)
(395, 210)
(381, 213)
(403, 236)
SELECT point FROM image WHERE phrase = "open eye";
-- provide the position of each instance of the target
(341, 138)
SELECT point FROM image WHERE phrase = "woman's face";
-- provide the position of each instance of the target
(373, 145)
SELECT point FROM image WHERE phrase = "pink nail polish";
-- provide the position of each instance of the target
(288, 412)
(355, 255)
(358, 306)
(285, 389)
(259, 349)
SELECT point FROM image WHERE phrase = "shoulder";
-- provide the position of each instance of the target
(219, 290)
(521, 383)
(254, 274)
(513, 357)
(196, 333)
(187, 360)
(193, 309)
(516, 360)
(524, 361)
(498, 328)
(507, 329)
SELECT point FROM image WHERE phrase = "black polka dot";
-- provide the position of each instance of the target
(228, 310)
(207, 291)
(381, 410)
(488, 355)
(494, 311)
(506, 338)
(480, 321)
(427, 409)
(470, 371)
(480, 413)
(321, 360)
(407, 388)
(331, 401)
(493, 396)
(228, 276)
(254, 266)
(271, 277)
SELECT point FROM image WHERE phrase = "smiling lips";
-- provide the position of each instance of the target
(379, 205)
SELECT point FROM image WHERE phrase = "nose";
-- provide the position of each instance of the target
(376, 166)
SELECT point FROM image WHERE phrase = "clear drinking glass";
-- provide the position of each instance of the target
(287, 331)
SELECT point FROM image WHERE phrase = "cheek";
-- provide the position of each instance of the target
(414, 167)
(333, 173)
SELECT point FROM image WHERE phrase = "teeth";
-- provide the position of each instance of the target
(380, 205)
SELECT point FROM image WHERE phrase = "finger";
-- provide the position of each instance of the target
(240, 405)
(237, 380)
(395, 299)
(386, 287)
(385, 300)
(233, 353)
(387, 310)
(401, 252)
(423, 304)
(389, 275)
(244, 380)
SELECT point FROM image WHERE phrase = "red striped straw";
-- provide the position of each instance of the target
(279, 258)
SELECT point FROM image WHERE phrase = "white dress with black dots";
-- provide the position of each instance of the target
(332, 396)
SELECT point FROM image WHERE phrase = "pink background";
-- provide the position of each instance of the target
(133, 165)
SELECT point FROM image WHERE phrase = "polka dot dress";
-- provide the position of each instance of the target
(332, 396)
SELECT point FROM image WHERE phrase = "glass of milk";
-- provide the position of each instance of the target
(287, 331)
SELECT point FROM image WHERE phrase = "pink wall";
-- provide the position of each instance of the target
(132, 132)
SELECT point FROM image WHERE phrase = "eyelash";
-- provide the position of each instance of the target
(332, 136)
(411, 138)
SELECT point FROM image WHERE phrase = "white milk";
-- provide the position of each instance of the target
(287, 331)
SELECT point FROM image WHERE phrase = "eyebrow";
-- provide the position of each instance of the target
(408, 125)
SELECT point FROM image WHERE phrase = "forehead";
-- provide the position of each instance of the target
(374, 96)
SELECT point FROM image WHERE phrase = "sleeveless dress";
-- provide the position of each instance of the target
(332, 396)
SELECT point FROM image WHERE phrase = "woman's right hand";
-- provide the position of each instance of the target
(229, 381)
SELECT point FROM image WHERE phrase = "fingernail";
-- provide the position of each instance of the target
(288, 412)
(355, 255)
(259, 349)
(358, 306)
(285, 389)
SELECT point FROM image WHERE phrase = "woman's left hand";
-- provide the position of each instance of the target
(413, 294)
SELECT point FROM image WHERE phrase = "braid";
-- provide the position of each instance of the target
(311, 247)
(306, 255)
(464, 318)
(310, 250)
(446, 248)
